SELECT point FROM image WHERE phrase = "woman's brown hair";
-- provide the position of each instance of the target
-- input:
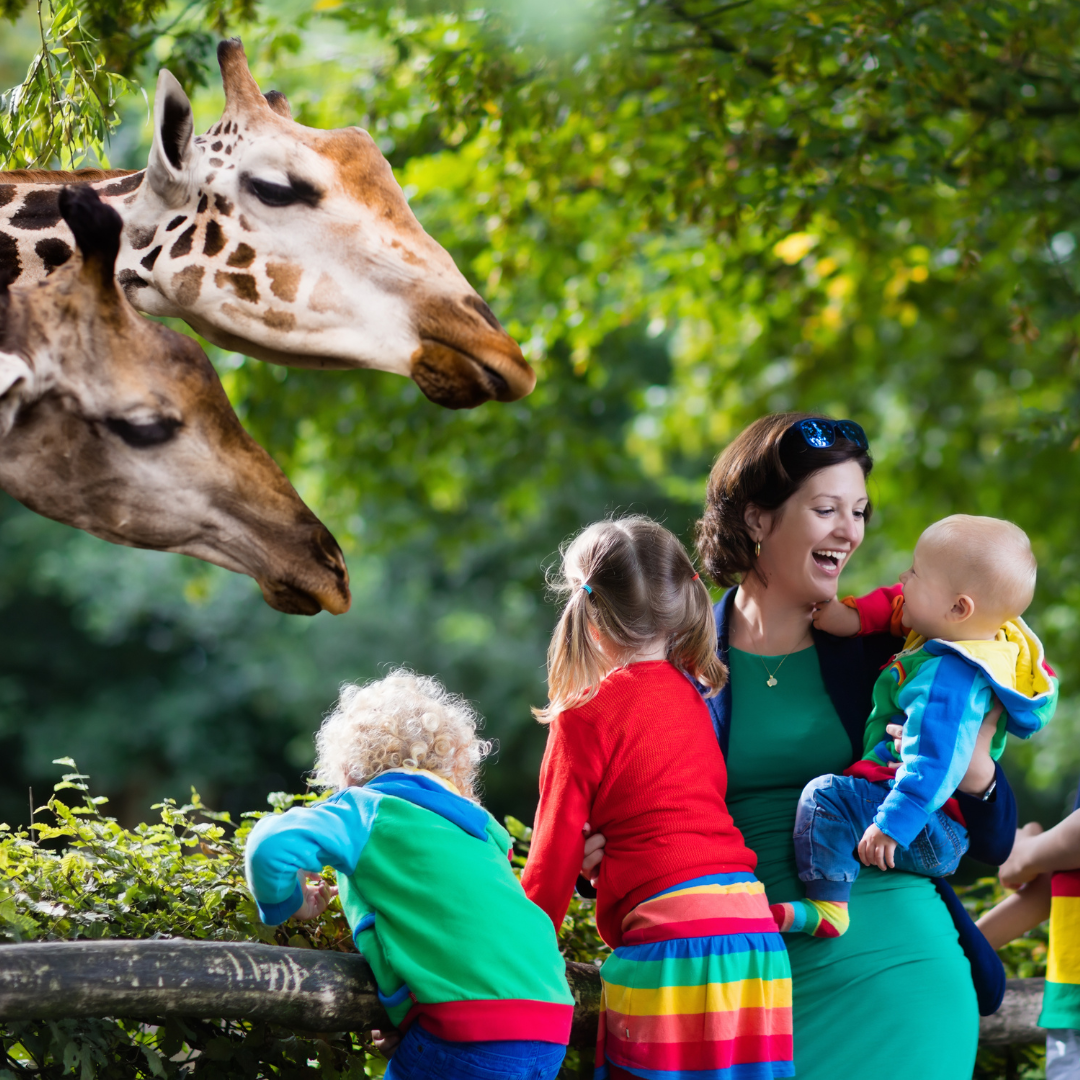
(765, 465)
(628, 581)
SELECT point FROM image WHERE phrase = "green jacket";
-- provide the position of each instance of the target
(435, 908)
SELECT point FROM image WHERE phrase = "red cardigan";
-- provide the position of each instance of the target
(640, 763)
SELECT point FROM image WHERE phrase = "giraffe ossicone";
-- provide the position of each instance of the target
(290, 244)
(117, 425)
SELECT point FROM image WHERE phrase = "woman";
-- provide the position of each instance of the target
(786, 508)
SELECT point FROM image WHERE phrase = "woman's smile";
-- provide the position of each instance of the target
(829, 561)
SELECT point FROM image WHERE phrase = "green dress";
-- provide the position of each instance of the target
(896, 988)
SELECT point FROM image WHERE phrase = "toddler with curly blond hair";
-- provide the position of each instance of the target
(467, 967)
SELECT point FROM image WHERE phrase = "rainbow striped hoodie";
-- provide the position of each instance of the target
(941, 691)
(425, 880)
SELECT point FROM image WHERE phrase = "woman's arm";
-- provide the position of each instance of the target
(991, 821)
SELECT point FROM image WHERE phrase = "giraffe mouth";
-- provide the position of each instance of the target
(456, 379)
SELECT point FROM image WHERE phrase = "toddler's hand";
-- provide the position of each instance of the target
(318, 892)
(876, 849)
(386, 1042)
(837, 619)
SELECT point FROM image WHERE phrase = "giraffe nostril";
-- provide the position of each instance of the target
(485, 312)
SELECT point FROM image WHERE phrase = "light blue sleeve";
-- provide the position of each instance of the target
(331, 833)
(944, 702)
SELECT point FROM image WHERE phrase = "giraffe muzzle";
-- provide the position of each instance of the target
(321, 585)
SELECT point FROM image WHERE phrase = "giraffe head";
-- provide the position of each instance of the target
(297, 246)
(120, 426)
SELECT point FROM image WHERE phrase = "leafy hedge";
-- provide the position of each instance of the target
(77, 874)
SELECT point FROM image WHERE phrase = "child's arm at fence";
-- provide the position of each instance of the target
(304, 840)
(1018, 913)
(1037, 853)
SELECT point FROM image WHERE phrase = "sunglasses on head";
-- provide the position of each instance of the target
(821, 434)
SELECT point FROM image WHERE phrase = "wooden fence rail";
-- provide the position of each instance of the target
(300, 988)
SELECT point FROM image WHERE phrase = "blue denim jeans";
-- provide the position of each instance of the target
(423, 1056)
(833, 814)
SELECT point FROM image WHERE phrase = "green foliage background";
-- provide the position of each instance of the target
(689, 213)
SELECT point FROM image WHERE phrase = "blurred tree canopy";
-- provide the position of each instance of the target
(689, 213)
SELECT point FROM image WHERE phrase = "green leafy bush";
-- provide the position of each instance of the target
(76, 874)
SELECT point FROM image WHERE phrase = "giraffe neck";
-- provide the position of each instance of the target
(34, 239)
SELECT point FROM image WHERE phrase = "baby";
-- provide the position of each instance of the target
(466, 966)
(971, 579)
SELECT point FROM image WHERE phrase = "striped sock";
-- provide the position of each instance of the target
(818, 918)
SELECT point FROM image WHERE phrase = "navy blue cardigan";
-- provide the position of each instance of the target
(849, 668)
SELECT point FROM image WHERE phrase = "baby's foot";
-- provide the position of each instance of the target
(818, 918)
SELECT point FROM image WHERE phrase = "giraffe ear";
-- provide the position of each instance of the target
(15, 377)
(167, 170)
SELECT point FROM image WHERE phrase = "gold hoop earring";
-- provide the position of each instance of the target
(757, 550)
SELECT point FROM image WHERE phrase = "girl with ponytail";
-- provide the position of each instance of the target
(631, 753)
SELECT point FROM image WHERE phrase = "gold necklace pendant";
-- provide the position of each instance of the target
(771, 680)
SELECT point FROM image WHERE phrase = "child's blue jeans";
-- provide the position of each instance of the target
(423, 1056)
(833, 814)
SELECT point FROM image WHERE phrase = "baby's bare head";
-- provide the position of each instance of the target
(985, 558)
(402, 720)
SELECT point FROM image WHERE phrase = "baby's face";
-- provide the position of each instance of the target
(929, 595)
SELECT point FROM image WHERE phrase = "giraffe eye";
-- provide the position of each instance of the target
(271, 194)
(140, 436)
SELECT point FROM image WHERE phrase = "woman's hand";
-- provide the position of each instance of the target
(594, 852)
(836, 619)
(386, 1042)
(1017, 869)
(318, 892)
(981, 772)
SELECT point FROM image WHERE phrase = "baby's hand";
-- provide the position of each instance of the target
(318, 892)
(837, 619)
(876, 849)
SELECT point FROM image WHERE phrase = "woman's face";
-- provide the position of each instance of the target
(806, 543)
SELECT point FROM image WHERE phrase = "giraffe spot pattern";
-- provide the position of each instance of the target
(223, 206)
(243, 285)
(284, 280)
(210, 177)
(279, 320)
(40, 210)
(126, 185)
(141, 237)
(203, 203)
(130, 280)
(7, 193)
(10, 263)
(244, 225)
(217, 162)
(188, 284)
(150, 259)
(216, 146)
(176, 223)
(183, 243)
(53, 252)
(244, 255)
(215, 239)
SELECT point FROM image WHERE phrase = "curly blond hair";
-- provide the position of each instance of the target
(403, 720)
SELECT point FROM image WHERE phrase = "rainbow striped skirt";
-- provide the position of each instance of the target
(699, 989)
